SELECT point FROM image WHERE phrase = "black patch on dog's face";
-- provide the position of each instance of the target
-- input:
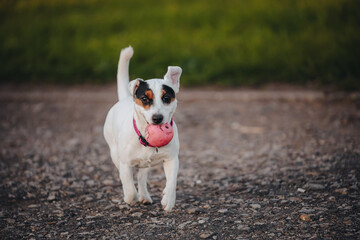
(144, 96)
(168, 94)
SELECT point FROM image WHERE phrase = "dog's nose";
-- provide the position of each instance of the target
(157, 118)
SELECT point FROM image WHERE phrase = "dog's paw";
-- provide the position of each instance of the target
(168, 200)
(145, 200)
(131, 199)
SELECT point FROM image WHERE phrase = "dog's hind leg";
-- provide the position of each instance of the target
(142, 186)
(127, 180)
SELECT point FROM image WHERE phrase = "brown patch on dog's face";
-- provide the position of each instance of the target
(144, 96)
(168, 94)
(150, 94)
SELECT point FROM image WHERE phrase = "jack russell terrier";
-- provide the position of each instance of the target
(140, 131)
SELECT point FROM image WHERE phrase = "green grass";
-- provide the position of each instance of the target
(226, 43)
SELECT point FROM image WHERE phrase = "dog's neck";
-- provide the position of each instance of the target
(141, 122)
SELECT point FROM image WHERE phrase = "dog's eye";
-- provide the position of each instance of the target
(166, 99)
(145, 100)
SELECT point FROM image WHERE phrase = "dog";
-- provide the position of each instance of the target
(141, 103)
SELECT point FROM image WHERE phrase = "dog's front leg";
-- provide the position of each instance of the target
(142, 185)
(127, 180)
(171, 169)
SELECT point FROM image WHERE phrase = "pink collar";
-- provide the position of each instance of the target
(141, 138)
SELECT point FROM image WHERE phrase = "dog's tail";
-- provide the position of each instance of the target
(123, 72)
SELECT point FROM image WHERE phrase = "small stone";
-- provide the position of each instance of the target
(342, 191)
(223, 210)
(255, 206)
(182, 225)
(259, 223)
(307, 210)
(124, 206)
(88, 199)
(30, 195)
(206, 235)
(33, 205)
(137, 214)
(315, 186)
(202, 220)
(305, 217)
(10, 221)
(90, 183)
(116, 200)
(108, 182)
(51, 196)
(55, 188)
(64, 234)
(73, 142)
(294, 199)
(243, 227)
(108, 207)
(192, 210)
(94, 216)
(301, 190)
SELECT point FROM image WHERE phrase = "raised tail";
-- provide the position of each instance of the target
(123, 73)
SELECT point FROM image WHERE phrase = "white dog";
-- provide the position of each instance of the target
(142, 103)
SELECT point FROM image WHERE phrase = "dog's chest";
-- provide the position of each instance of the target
(148, 158)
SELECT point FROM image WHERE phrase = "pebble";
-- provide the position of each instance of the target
(342, 191)
(90, 183)
(137, 214)
(243, 227)
(52, 196)
(88, 199)
(255, 205)
(34, 205)
(108, 182)
(10, 220)
(182, 225)
(222, 210)
(202, 220)
(94, 216)
(192, 210)
(301, 190)
(206, 235)
(315, 186)
(116, 200)
(305, 217)
(307, 210)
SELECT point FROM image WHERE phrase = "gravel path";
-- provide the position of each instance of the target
(253, 165)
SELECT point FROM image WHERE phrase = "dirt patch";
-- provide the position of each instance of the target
(253, 164)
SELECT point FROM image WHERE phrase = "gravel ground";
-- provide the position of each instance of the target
(253, 165)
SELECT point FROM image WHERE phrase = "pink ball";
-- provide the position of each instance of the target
(159, 135)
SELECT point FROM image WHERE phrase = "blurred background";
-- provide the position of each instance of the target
(217, 43)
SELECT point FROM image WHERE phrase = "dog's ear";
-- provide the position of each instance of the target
(133, 86)
(172, 77)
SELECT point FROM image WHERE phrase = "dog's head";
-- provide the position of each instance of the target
(155, 98)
